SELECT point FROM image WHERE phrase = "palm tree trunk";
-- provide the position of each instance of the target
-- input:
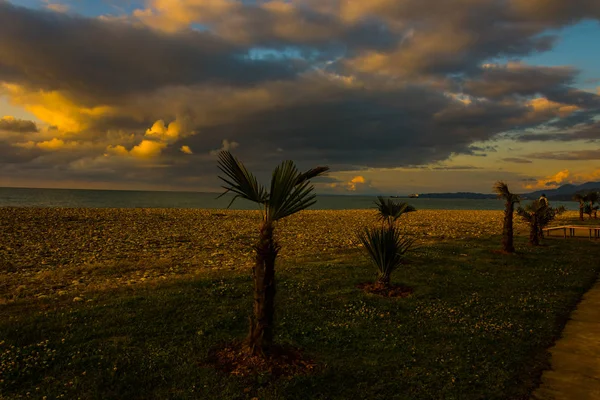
(260, 336)
(534, 233)
(507, 231)
(383, 282)
(581, 211)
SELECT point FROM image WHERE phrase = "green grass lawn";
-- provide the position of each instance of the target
(477, 327)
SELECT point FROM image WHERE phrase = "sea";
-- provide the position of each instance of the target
(81, 198)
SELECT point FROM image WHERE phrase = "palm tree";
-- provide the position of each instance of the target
(501, 189)
(290, 192)
(386, 248)
(582, 199)
(390, 211)
(593, 197)
(538, 215)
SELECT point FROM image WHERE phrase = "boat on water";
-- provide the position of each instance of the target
(413, 196)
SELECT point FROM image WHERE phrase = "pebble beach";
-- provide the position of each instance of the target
(50, 252)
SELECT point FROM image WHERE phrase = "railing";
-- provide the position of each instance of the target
(594, 231)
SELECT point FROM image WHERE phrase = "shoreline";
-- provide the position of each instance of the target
(41, 198)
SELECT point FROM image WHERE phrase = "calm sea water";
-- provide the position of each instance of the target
(21, 197)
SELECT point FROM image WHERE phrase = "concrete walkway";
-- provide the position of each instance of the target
(575, 372)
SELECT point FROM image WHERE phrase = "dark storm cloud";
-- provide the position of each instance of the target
(488, 149)
(589, 132)
(456, 37)
(418, 37)
(99, 58)
(517, 160)
(575, 97)
(574, 155)
(580, 117)
(17, 156)
(354, 126)
(581, 124)
(456, 168)
(17, 125)
(303, 28)
(517, 79)
(554, 13)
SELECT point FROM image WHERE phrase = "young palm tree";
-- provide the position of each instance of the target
(386, 248)
(290, 192)
(501, 189)
(547, 216)
(582, 199)
(538, 215)
(390, 211)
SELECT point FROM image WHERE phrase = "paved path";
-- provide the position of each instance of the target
(575, 372)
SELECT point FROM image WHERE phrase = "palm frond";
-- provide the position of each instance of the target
(239, 180)
(385, 247)
(283, 181)
(526, 215)
(291, 190)
(299, 199)
(501, 189)
(539, 212)
(391, 210)
(311, 173)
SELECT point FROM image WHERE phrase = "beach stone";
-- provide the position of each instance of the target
(77, 299)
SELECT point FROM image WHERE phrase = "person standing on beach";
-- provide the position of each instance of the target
(544, 200)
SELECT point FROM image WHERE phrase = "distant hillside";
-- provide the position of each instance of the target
(564, 192)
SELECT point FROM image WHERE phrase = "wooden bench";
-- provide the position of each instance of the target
(594, 231)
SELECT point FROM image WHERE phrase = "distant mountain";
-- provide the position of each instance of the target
(564, 192)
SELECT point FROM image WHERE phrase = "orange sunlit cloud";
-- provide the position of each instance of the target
(186, 150)
(56, 109)
(550, 181)
(57, 7)
(163, 132)
(147, 149)
(542, 104)
(563, 177)
(356, 181)
(352, 185)
(53, 144)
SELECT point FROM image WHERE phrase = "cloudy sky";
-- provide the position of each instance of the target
(396, 96)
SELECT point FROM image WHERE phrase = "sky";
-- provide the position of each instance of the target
(396, 97)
